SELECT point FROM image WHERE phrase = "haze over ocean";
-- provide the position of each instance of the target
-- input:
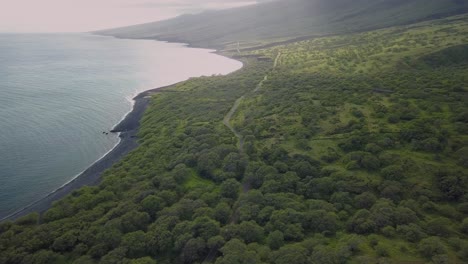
(59, 92)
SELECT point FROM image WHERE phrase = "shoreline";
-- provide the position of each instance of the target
(127, 129)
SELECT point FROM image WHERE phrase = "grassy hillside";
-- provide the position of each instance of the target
(344, 149)
(281, 20)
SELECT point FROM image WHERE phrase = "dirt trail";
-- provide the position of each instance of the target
(227, 122)
(260, 85)
(245, 186)
(277, 59)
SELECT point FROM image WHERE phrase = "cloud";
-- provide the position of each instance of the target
(89, 15)
(194, 4)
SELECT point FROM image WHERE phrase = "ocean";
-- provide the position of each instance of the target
(60, 92)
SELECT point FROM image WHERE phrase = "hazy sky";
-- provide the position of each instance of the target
(88, 15)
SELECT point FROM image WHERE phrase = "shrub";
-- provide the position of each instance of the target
(393, 172)
(381, 251)
(411, 232)
(464, 226)
(230, 188)
(275, 240)
(439, 227)
(431, 246)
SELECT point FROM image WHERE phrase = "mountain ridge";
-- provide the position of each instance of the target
(260, 24)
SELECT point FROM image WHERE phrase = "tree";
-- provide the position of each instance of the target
(362, 222)
(281, 166)
(383, 213)
(135, 243)
(439, 227)
(194, 250)
(323, 255)
(289, 222)
(234, 163)
(41, 257)
(412, 232)
(85, 259)
(462, 157)
(321, 220)
(290, 254)
(393, 173)
(29, 219)
(404, 216)
(353, 144)
(53, 214)
(464, 226)
(65, 242)
(275, 240)
(181, 173)
(365, 200)
(304, 168)
(216, 242)
(169, 197)
(230, 188)
(207, 163)
(98, 250)
(5, 226)
(381, 251)
(256, 175)
(319, 188)
(205, 227)
(389, 231)
(373, 148)
(134, 220)
(235, 252)
(152, 204)
(391, 190)
(222, 213)
(452, 184)
(370, 162)
(250, 231)
(109, 236)
(159, 241)
(115, 256)
(362, 160)
(185, 208)
(145, 260)
(431, 246)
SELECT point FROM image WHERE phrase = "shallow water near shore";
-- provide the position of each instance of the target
(60, 92)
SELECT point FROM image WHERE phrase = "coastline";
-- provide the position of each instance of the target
(127, 130)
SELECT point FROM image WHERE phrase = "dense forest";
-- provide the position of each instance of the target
(342, 149)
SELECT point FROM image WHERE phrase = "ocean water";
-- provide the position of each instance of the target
(59, 92)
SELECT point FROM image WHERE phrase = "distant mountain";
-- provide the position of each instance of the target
(280, 20)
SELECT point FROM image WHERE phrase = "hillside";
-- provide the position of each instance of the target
(280, 20)
(341, 149)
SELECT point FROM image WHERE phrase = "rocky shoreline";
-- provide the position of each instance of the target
(127, 129)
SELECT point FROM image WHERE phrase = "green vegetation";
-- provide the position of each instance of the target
(291, 19)
(352, 150)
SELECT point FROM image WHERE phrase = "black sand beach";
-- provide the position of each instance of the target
(128, 129)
